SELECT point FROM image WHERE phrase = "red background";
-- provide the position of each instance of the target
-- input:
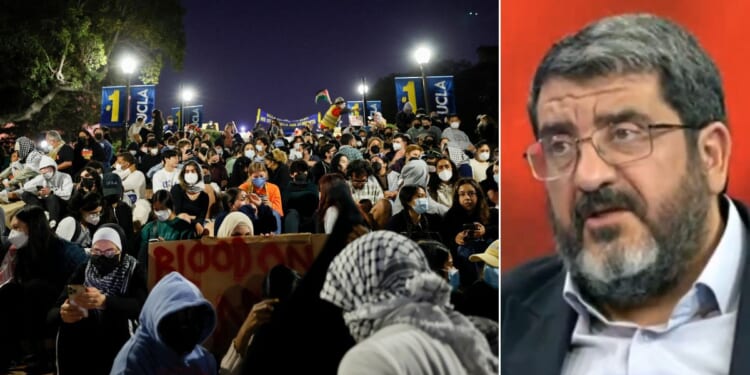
(528, 29)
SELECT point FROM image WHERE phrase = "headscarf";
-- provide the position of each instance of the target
(25, 146)
(231, 221)
(383, 278)
(114, 283)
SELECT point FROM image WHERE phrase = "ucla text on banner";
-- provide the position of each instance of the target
(263, 120)
(142, 102)
(440, 92)
(230, 271)
(114, 106)
(193, 113)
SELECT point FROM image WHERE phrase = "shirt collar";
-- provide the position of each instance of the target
(722, 272)
(721, 275)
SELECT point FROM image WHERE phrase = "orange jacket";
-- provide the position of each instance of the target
(273, 192)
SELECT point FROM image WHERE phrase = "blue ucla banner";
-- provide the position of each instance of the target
(142, 102)
(409, 89)
(263, 120)
(440, 92)
(372, 106)
(193, 113)
(114, 106)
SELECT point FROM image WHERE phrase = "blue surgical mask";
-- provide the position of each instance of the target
(497, 178)
(491, 276)
(421, 205)
(454, 278)
(259, 182)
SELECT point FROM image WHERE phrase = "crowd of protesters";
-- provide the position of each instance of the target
(407, 281)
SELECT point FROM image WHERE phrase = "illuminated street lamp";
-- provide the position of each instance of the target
(128, 64)
(362, 89)
(186, 95)
(422, 55)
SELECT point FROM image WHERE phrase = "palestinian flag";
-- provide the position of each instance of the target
(321, 95)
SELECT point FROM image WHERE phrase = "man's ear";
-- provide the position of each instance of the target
(714, 149)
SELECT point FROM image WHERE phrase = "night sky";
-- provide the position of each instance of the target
(275, 55)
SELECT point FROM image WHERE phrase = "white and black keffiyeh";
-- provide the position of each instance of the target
(25, 146)
(383, 278)
(114, 283)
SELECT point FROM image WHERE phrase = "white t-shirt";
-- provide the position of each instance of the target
(164, 180)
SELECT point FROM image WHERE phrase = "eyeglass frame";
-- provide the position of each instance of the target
(578, 142)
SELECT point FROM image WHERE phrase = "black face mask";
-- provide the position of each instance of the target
(87, 183)
(417, 126)
(83, 140)
(181, 330)
(104, 265)
(375, 150)
(300, 178)
(377, 167)
(98, 137)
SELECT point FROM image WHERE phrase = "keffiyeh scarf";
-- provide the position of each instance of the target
(383, 278)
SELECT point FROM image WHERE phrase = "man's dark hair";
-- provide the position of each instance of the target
(168, 154)
(359, 167)
(299, 166)
(346, 139)
(164, 197)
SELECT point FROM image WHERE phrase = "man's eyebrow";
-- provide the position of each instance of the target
(555, 128)
(625, 115)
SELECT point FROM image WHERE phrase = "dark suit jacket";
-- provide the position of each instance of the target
(537, 324)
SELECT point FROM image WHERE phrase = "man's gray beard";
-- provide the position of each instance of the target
(626, 276)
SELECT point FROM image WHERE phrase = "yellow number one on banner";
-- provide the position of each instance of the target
(411, 93)
(115, 99)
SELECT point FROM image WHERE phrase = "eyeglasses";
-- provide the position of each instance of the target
(555, 156)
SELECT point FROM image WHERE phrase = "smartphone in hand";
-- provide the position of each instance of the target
(75, 290)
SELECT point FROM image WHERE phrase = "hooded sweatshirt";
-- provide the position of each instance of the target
(146, 353)
(60, 183)
(415, 173)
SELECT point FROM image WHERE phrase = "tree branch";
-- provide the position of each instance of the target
(36, 106)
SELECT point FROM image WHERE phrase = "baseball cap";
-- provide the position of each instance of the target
(111, 184)
(489, 256)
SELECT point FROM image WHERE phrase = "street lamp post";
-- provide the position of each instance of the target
(186, 95)
(128, 65)
(422, 55)
(363, 91)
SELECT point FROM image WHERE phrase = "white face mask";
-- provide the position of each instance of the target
(118, 167)
(191, 178)
(162, 215)
(249, 154)
(93, 219)
(259, 147)
(445, 175)
(48, 175)
(483, 156)
(144, 150)
(455, 124)
(154, 151)
(219, 151)
(396, 146)
(133, 152)
(18, 238)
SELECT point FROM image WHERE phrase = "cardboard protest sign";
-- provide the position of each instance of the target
(230, 271)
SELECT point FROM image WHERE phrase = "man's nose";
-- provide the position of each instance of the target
(591, 171)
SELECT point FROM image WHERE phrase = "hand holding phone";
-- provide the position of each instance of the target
(74, 292)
